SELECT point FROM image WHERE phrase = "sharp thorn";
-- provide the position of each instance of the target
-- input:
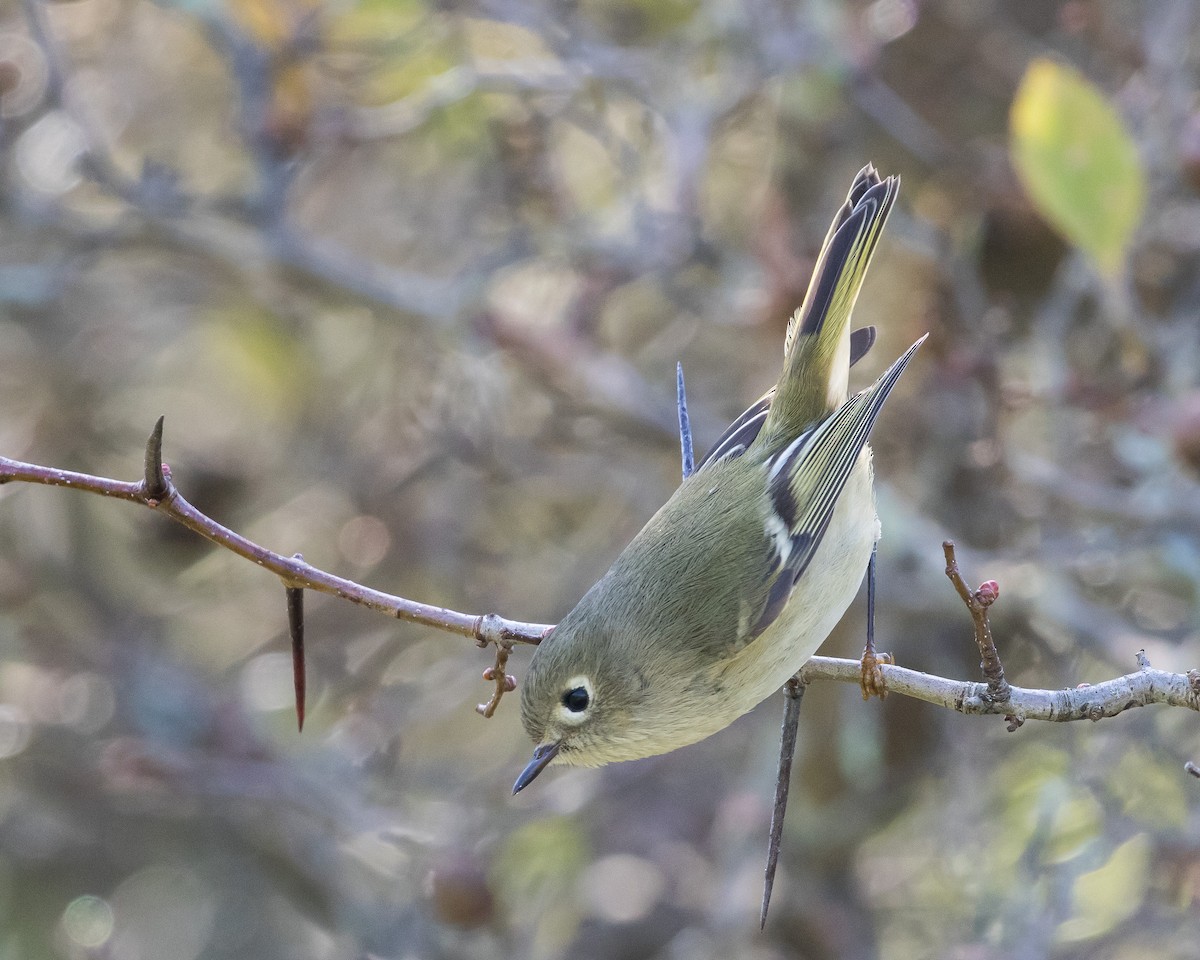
(295, 609)
(154, 481)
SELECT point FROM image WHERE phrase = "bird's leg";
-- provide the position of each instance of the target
(873, 682)
(793, 690)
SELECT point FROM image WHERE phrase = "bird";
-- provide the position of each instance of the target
(742, 574)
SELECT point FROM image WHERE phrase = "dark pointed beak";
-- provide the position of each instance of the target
(542, 756)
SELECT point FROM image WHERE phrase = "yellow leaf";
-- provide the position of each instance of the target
(273, 23)
(1077, 161)
(1110, 894)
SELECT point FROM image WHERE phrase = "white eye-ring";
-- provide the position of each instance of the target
(576, 700)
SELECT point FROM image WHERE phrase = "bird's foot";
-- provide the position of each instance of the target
(872, 682)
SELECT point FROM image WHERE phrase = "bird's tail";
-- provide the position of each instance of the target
(817, 351)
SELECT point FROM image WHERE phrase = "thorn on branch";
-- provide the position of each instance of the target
(1143, 661)
(295, 611)
(1191, 768)
(154, 481)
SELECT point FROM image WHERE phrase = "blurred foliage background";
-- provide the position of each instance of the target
(409, 281)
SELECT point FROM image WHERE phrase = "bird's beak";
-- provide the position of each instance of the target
(542, 755)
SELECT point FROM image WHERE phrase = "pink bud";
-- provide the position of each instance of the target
(988, 592)
(510, 683)
(489, 673)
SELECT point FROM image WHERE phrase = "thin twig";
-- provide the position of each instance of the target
(485, 629)
(504, 682)
(977, 603)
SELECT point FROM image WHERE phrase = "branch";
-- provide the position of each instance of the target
(157, 491)
(997, 695)
(1085, 702)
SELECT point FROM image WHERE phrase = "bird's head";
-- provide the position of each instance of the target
(585, 700)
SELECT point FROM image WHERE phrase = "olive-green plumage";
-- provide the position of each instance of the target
(741, 575)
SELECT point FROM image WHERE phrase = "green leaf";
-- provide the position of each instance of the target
(1077, 161)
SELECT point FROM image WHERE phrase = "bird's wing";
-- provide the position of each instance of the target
(804, 480)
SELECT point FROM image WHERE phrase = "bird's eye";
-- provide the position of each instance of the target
(576, 699)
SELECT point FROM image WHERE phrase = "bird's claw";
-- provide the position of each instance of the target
(873, 683)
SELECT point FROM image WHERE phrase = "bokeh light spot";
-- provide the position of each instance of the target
(88, 922)
(162, 913)
(364, 540)
(14, 730)
(267, 682)
(891, 19)
(48, 153)
(86, 702)
(622, 888)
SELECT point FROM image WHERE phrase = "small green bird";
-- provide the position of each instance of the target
(746, 569)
